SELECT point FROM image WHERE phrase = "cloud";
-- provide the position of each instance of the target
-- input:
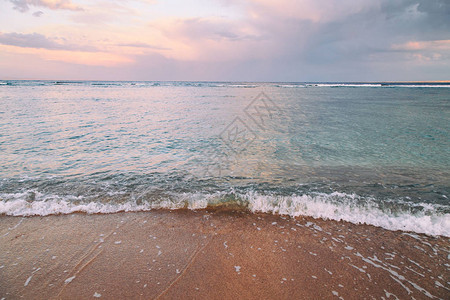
(210, 39)
(87, 58)
(105, 12)
(347, 32)
(142, 45)
(424, 50)
(38, 13)
(24, 5)
(38, 41)
(301, 40)
(306, 10)
(440, 45)
(209, 28)
(52, 49)
(261, 40)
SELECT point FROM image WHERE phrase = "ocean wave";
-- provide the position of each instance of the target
(383, 85)
(298, 85)
(203, 84)
(355, 209)
(418, 85)
(418, 217)
(345, 85)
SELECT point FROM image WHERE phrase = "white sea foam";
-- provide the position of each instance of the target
(346, 207)
(242, 85)
(291, 85)
(378, 85)
(420, 85)
(346, 85)
(334, 206)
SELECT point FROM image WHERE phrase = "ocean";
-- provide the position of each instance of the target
(373, 153)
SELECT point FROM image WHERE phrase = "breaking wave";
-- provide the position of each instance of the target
(431, 219)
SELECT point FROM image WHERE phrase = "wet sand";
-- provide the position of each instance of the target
(215, 255)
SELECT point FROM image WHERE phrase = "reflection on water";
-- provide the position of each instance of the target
(387, 142)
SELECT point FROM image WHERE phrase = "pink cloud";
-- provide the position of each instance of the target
(24, 5)
(423, 45)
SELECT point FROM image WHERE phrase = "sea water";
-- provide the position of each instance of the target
(374, 153)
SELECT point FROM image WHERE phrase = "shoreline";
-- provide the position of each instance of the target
(215, 254)
(429, 221)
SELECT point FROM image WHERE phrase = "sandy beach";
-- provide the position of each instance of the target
(224, 149)
(220, 254)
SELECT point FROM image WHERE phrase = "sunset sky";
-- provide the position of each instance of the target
(247, 40)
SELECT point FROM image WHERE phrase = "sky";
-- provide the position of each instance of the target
(225, 40)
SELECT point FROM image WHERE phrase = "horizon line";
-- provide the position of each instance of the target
(242, 81)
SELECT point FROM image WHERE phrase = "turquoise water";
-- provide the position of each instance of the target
(369, 153)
